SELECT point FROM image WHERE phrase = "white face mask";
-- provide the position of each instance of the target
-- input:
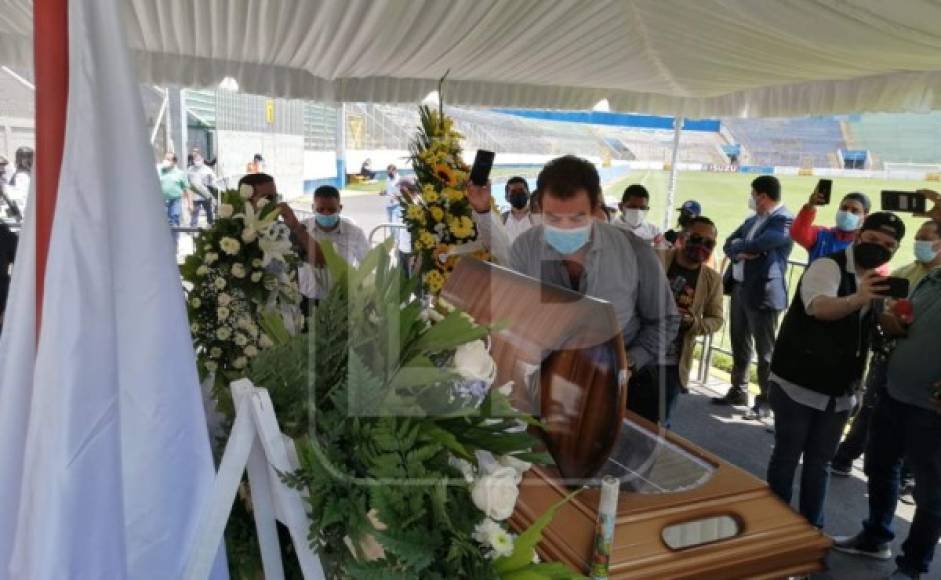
(634, 217)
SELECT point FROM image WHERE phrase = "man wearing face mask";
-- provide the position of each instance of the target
(594, 258)
(697, 291)
(348, 240)
(519, 218)
(819, 359)
(820, 241)
(927, 252)
(758, 250)
(634, 206)
(174, 184)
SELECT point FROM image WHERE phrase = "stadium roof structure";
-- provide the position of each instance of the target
(699, 58)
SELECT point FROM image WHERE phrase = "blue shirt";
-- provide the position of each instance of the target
(915, 364)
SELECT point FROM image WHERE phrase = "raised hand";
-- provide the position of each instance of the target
(479, 196)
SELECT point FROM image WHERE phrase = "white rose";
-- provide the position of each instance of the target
(240, 363)
(226, 210)
(246, 191)
(224, 299)
(219, 283)
(256, 277)
(249, 235)
(241, 339)
(238, 270)
(251, 351)
(517, 465)
(473, 362)
(211, 366)
(222, 313)
(211, 258)
(215, 352)
(195, 302)
(495, 493)
(265, 342)
(202, 270)
(223, 333)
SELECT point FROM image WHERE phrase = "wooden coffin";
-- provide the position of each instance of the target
(682, 512)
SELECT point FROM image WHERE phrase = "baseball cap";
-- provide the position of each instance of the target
(885, 222)
(691, 207)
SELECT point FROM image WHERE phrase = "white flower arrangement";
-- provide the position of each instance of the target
(230, 245)
(238, 270)
(226, 211)
(246, 192)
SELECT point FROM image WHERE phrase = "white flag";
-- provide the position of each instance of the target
(105, 459)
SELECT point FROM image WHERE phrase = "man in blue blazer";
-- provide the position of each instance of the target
(758, 251)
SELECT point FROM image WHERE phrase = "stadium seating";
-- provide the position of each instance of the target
(798, 142)
(899, 138)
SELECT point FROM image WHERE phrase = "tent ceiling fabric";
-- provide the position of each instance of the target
(693, 57)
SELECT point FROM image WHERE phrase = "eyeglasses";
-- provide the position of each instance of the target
(697, 240)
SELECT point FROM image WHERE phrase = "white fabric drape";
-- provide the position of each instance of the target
(104, 451)
(696, 58)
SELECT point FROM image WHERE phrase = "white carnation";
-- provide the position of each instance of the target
(229, 245)
(219, 283)
(222, 313)
(224, 299)
(226, 210)
(240, 363)
(195, 302)
(256, 277)
(256, 263)
(238, 270)
(211, 258)
(194, 328)
(251, 351)
(202, 270)
(241, 339)
(215, 352)
(223, 333)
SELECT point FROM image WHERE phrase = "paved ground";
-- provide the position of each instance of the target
(748, 445)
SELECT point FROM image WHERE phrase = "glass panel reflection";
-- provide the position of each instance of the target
(699, 532)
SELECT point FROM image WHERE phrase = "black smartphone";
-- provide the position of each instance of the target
(906, 201)
(898, 287)
(825, 188)
(483, 163)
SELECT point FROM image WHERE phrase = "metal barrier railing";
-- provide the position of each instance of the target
(384, 227)
(708, 345)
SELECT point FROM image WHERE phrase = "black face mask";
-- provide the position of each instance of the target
(869, 255)
(519, 199)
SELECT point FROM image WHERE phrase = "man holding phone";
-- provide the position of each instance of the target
(819, 358)
(822, 241)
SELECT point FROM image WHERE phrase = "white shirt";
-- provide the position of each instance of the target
(515, 227)
(645, 230)
(19, 191)
(738, 267)
(392, 188)
(350, 243)
(822, 278)
(200, 177)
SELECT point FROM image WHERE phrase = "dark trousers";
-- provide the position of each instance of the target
(751, 329)
(898, 431)
(855, 441)
(200, 203)
(803, 431)
(652, 393)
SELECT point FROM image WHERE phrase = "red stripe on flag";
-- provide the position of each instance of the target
(51, 62)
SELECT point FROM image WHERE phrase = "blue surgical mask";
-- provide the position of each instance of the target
(925, 252)
(846, 221)
(566, 242)
(327, 221)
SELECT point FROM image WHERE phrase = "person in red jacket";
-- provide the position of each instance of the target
(822, 241)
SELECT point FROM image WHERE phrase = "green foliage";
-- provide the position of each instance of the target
(369, 390)
(520, 565)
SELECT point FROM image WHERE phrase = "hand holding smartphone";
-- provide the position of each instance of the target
(822, 192)
(483, 163)
(904, 201)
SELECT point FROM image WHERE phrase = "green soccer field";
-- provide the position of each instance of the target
(723, 198)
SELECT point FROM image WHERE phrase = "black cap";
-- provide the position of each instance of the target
(885, 222)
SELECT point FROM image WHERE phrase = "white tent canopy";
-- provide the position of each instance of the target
(695, 58)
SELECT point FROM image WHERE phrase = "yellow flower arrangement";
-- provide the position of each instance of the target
(434, 281)
(446, 175)
(427, 241)
(431, 196)
(415, 213)
(462, 227)
(453, 195)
